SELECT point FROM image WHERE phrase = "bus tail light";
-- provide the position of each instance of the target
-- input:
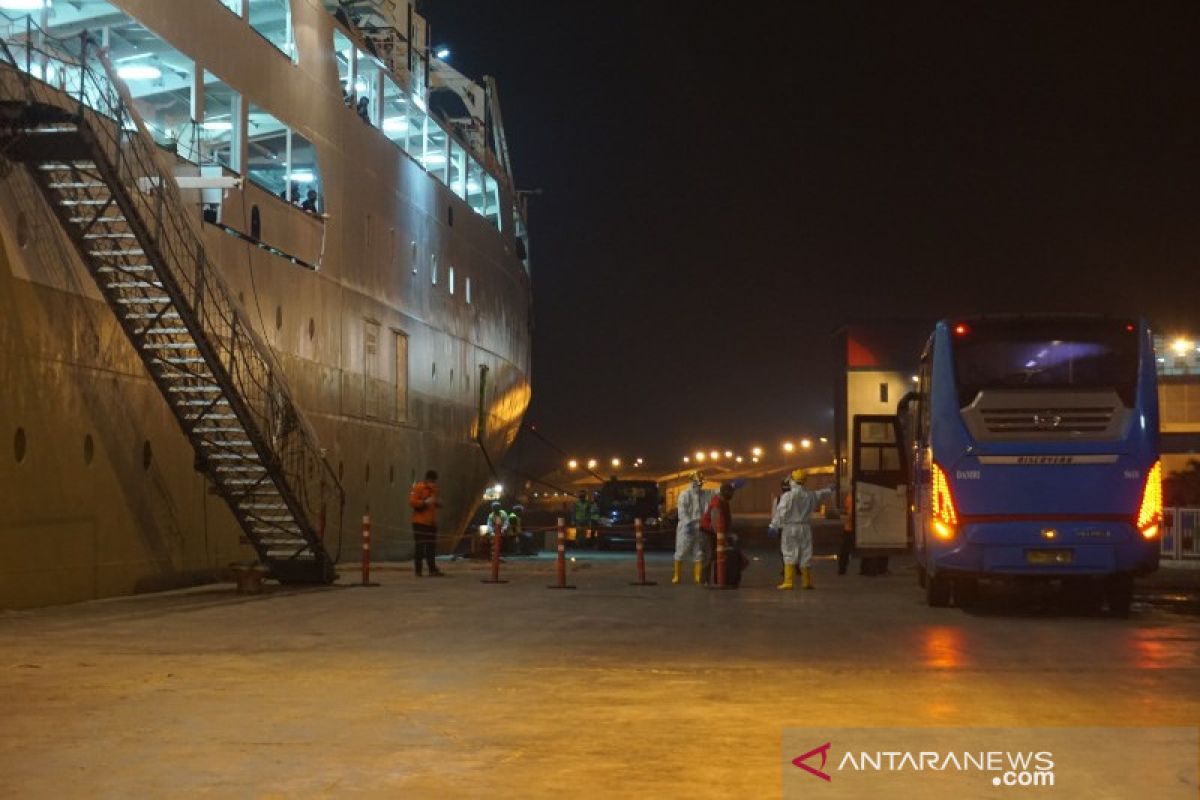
(941, 504)
(1150, 512)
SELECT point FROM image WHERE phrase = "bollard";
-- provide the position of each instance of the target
(366, 551)
(720, 556)
(639, 538)
(562, 556)
(496, 541)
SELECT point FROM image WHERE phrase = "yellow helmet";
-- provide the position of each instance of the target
(798, 475)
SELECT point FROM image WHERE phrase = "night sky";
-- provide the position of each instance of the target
(723, 190)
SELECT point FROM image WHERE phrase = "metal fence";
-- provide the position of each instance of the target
(1181, 533)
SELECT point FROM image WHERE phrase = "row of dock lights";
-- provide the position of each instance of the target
(756, 453)
(591, 464)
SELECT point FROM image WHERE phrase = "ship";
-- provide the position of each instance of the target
(262, 265)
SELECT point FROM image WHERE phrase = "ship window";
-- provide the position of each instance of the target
(492, 201)
(220, 130)
(255, 227)
(467, 289)
(366, 86)
(375, 398)
(282, 161)
(272, 19)
(433, 269)
(458, 169)
(401, 377)
(475, 195)
(450, 216)
(395, 113)
(434, 157)
(414, 134)
(450, 279)
(343, 54)
(233, 5)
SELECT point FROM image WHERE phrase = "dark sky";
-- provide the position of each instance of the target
(721, 190)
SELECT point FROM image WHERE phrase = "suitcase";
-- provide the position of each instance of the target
(735, 562)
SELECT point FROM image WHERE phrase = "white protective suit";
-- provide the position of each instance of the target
(791, 519)
(689, 542)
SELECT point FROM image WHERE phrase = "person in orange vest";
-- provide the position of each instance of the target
(425, 503)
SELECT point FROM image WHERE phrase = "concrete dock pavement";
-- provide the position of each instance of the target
(448, 687)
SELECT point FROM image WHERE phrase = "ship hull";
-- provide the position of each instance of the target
(394, 372)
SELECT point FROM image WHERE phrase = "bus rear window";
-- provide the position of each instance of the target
(1045, 354)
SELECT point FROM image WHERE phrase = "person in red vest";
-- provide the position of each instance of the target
(718, 519)
(425, 503)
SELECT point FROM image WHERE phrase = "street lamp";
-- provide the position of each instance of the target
(756, 451)
(788, 447)
(616, 462)
(591, 463)
(714, 455)
(699, 457)
(806, 443)
(572, 464)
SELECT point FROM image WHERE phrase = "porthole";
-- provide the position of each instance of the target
(255, 223)
(278, 317)
(312, 328)
(22, 230)
(19, 445)
(89, 449)
(147, 455)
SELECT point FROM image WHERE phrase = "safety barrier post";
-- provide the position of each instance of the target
(366, 551)
(562, 556)
(639, 538)
(496, 541)
(719, 583)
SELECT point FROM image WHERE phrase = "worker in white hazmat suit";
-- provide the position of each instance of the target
(790, 520)
(689, 541)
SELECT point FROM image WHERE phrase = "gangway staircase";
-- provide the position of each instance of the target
(71, 122)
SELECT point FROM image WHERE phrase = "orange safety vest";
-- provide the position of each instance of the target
(424, 513)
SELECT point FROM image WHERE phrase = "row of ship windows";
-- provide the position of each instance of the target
(194, 114)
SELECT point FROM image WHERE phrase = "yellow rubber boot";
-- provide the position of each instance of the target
(806, 577)
(789, 577)
(697, 571)
(678, 569)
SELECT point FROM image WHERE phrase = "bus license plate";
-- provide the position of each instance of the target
(1048, 556)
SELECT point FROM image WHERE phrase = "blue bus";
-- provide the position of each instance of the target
(1034, 455)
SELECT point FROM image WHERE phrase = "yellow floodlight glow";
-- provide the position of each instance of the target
(687, 460)
(700, 456)
(729, 454)
(714, 455)
(738, 459)
(572, 464)
(806, 443)
(788, 447)
(1182, 346)
(616, 462)
(756, 451)
(591, 463)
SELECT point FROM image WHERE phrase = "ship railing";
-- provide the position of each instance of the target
(78, 67)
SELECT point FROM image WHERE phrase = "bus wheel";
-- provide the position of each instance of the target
(966, 592)
(1118, 591)
(937, 591)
